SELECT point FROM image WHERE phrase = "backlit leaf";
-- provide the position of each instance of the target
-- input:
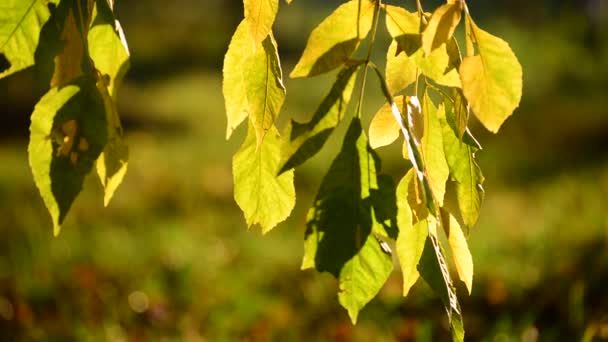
(492, 79)
(108, 51)
(460, 249)
(339, 236)
(260, 15)
(441, 27)
(233, 80)
(70, 115)
(335, 39)
(400, 69)
(301, 141)
(20, 24)
(460, 156)
(265, 198)
(384, 129)
(437, 170)
(405, 28)
(412, 233)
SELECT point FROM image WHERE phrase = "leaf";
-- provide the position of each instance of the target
(491, 80)
(437, 171)
(252, 83)
(384, 202)
(441, 27)
(113, 161)
(404, 27)
(384, 129)
(233, 80)
(339, 235)
(266, 199)
(69, 61)
(460, 249)
(412, 233)
(260, 15)
(434, 271)
(20, 24)
(335, 39)
(108, 51)
(264, 87)
(65, 141)
(400, 69)
(303, 140)
(460, 156)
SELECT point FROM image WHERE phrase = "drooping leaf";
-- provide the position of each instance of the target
(437, 170)
(113, 161)
(492, 79)
(106, 48)
(303, 140)
(252, 83)
(461, 113)
(335, 39)
(384, 202)
(260, 15)
(384, 129)
(441, 27)
(339, 235)
(233, 80)
(264, 87)
(400, 69)
(460, 156)
(405, 28)
(460, 249)
(20, 24)
(65, 141)
(412, 233)
(69, 62)
(434, 271)
(265, 198)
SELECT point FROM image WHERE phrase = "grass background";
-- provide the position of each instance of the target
(171, 258)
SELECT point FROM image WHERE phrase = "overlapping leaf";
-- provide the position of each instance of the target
(437, 171)
(492, 79)
(460, 156)
(65, 141)
(265, 198)
(339, 235)
(460, 249)
(441, 27)
(384, 129)
(20, 24)
(405, 28)
(260, 15)
(335, 39)
(400, 70)
(303, 140)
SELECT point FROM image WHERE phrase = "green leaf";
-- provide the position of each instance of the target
(441, 27)
(303, 140)
(260, 15)
(108, 51)
(384, 202)
(400, 69)
(265, 198)
(492, 79)
(412, 233)
(252, 83)
(460, 249)
(20, 24)
(65, 141)
(434, 271)
(233, 80)
(112, 163)
(460, 156)
(339, 235)
(437, 171)
(404, 27)
(264, 87)
(384, 129)
(335, 39)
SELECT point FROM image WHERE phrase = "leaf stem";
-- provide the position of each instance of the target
(368, 56)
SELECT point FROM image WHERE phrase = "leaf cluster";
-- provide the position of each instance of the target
(431, 90)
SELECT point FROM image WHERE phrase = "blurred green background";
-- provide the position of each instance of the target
(171, 258)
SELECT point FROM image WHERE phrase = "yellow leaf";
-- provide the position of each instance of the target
(492, 79)
(260, 15)
(441, 27)
(460, 250)
(384, 129)
(400, 69)
(335, 39)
